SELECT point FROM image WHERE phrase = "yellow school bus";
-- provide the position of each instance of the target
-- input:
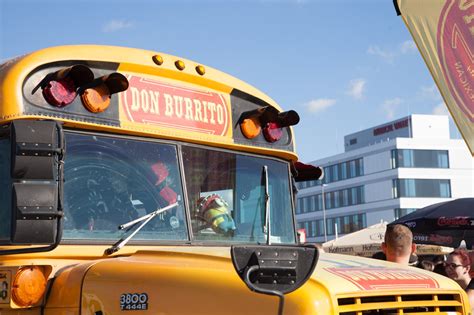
(139, 182)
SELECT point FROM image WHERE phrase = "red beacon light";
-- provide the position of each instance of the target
(59, 88)
(273, 130)
(96, 95)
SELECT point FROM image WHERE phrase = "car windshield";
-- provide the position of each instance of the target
(110, 181)
(226, 194)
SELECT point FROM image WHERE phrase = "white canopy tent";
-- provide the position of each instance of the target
(368, 241)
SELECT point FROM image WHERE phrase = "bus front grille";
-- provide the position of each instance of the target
(401, 304)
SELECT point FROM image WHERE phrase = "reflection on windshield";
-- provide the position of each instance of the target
(227, 197)
(111, 181)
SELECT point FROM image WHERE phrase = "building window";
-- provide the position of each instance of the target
(327, 175)
(313, 228)
(335, 172)
(400, 212)
(332, 199)
(419, 158)
(307, 184)
(312, 203)
(345, 224)
(307, 227)
(393, 158)
(320, 231)
(352, 169)
(428, 188)
(343, 170)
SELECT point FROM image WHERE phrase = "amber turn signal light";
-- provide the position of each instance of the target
(29, 286)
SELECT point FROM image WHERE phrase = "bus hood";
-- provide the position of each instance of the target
(346, 274)
(202, 280)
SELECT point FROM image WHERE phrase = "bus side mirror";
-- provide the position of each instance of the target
(36, 181)
(303, 172)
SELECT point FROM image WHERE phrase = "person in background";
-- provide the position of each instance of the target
(398, 244)
(471, 257)
(427, 265)
(439, 262)
(457, 267)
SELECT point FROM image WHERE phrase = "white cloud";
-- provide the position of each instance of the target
(389, 56)
(408, 46)
(390, 106)
(357, 88)
(430, 92)
(319, 105)
(440, 109)
(386, 55)
(116, 25)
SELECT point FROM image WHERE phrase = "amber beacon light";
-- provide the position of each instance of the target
(96, 95)
(29, 286)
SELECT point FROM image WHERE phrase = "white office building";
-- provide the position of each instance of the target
(385, 172)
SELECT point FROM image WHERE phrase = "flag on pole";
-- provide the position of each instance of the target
(443, 31)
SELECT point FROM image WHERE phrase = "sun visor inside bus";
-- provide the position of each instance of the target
(303, 172)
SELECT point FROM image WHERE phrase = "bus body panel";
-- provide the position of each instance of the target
(201, 280)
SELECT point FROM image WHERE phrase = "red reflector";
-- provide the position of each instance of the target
(60, 92)
(161, 172)
(272, 132)
(169, 195)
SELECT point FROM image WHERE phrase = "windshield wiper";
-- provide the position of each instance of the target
(146, 218)
(266, 226)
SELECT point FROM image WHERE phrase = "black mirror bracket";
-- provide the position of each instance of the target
(274, 270)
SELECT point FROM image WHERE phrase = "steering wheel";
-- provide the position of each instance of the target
(105, 189)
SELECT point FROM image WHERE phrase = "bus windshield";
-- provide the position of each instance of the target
(110, 181)
(226, 194)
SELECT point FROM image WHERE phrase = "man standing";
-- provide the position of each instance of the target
(398, 245)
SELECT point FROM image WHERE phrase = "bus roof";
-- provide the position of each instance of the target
(144, 68)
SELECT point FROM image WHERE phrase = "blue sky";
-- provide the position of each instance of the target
(343, 65)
